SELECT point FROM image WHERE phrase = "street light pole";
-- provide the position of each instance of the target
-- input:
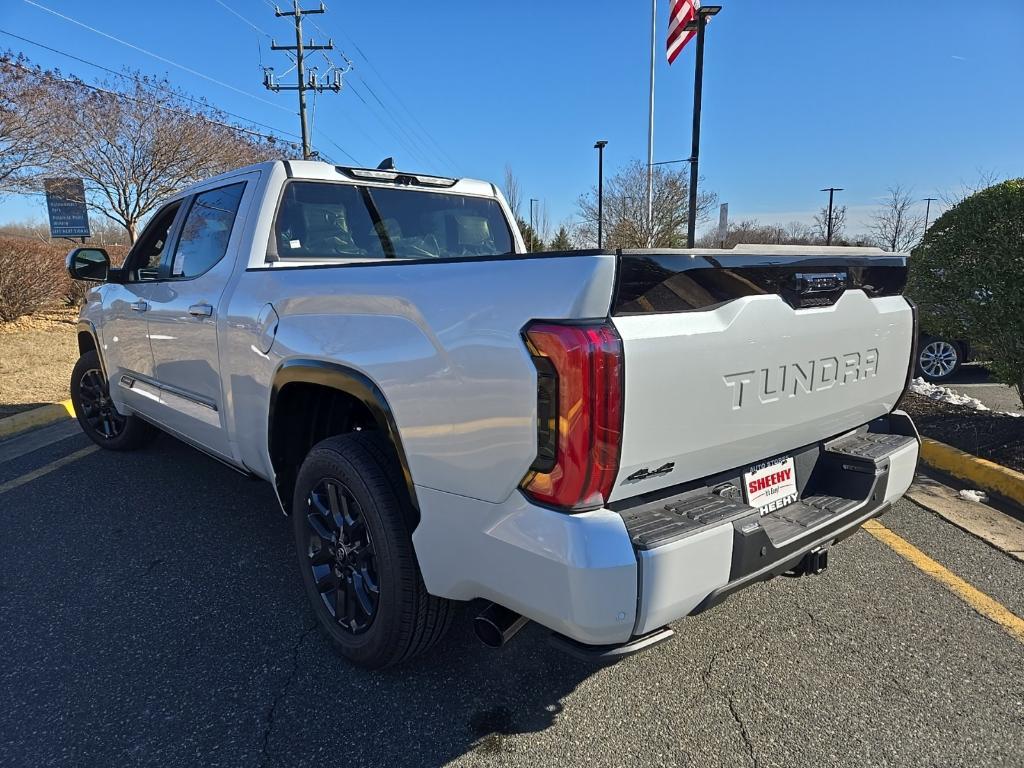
(927, 210)
(828, 225)
(599, 146)
(699, 23)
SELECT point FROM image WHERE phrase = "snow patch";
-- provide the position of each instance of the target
(978, 496)
(945, 395)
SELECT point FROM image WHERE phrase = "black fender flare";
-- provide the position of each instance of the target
(352, 382)
(87, 326)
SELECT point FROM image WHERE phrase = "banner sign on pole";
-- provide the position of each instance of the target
(65, 203)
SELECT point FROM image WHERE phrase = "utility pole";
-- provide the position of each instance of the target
(699, 23)
(828, 226)
(599, 146)
(331, 83)
(927, 210)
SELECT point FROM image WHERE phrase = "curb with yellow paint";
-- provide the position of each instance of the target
(980, 473)
(37, 417)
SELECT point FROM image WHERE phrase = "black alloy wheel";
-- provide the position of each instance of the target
(97, 408)
(352, 517)
(341, 556)
(96, 412)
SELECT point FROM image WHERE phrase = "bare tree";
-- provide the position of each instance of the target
(986, 178)
(135, 148)
(513, 192)
(625, 209)
(28, 126)
(838, 223)
(894, 226)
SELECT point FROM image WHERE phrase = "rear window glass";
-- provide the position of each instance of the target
(321, 220)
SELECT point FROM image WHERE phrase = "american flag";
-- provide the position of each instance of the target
(680, 13)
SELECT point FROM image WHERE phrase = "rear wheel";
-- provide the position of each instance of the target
(96, 413)
(938, 359)
(351, 518)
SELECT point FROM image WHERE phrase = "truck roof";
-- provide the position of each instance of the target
(320, 171)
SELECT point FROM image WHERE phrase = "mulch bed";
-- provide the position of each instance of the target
(993, 436)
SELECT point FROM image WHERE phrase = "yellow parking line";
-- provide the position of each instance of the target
(975, 598)
(46, 469)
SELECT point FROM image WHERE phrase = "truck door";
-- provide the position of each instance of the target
(126, 349)
(184, 316)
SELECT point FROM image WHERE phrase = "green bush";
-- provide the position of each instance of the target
(968, 276)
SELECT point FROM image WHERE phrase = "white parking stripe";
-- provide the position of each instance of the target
(46, 469)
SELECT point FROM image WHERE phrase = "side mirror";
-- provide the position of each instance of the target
(91, 264)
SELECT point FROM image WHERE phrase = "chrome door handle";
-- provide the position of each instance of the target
(140, 306)
(201, 310)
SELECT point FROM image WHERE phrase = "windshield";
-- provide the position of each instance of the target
(318, 220)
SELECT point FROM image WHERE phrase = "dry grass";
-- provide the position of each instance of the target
(37, 354)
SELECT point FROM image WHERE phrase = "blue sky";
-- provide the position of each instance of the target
(798, 94)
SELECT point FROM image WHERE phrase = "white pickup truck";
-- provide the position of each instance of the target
(601, 442)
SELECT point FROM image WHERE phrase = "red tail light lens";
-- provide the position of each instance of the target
(579, 414)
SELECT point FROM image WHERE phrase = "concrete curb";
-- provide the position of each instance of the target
(37, 417)
(980, 473)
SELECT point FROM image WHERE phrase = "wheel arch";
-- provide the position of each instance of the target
(88, 341)
(353, 387)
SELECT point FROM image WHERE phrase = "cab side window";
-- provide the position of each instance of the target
(143, 263)
(204, 235)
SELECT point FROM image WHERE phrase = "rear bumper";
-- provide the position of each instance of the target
(608, 577)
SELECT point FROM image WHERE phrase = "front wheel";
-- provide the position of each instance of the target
(96, 413)
(351, 518)
(938, 359)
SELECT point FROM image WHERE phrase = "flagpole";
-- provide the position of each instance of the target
(703, 13)
(650, 131)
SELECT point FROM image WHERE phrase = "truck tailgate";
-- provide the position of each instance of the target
(726, 367)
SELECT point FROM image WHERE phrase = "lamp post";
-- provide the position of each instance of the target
(699, 23)
(599, 146)
(927, 211)
(828, 225)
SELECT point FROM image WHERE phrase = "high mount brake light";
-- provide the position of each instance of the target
(579, 403)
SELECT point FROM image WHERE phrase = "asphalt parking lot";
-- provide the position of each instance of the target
(151, 614)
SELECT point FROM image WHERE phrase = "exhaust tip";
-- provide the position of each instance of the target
(487, 632)
(496, 625)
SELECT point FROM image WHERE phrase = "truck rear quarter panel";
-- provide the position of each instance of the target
(441, 340)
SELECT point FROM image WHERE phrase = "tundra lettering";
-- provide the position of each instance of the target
(792, 379)
(446, 417)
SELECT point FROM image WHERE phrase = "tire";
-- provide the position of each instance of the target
(351, 516)
(938, 359)
(96, 414)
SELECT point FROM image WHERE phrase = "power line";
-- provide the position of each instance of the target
(401, 103)
(153, 55)
(146, 84)
(422, 147)
(232, 11)
(158, 105)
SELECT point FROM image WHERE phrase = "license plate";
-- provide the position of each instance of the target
(771, 485)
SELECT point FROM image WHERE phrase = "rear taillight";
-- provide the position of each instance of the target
(579, 414)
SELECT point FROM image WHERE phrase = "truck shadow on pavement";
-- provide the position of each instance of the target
(175, 629)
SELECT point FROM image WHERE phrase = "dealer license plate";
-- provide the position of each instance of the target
(770, 485)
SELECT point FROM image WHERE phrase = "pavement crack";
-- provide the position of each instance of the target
(268, 727)
(730, 701)
(743, 731)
